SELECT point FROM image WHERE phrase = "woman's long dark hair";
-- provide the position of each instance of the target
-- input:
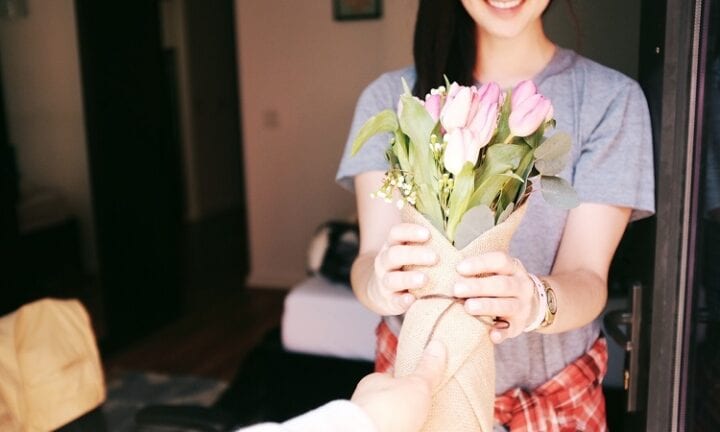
(444, 44)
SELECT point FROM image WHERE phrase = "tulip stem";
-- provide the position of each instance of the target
(508, 139)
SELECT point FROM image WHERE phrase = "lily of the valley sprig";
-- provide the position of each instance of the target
(463, 155)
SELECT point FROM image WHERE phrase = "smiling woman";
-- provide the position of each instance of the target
(474, 42)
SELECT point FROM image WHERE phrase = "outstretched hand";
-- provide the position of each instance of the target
(402, 404)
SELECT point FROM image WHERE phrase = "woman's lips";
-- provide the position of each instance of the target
(504, 4)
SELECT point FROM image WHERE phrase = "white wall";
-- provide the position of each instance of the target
(41, 76)
(301, 73)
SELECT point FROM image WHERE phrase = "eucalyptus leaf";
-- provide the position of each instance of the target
(553, 154)
(384, 121)
(474, 223)
(551, 167)
(557, 192)
(460, 198)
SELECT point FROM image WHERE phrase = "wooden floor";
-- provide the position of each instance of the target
(211, 340)
(223, 320)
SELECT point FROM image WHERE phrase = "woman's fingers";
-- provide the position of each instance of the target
(488, 286)
(495, 307)
(408, 233)
(508, 310)
(398, 256)
(396, 281)
(490, 263)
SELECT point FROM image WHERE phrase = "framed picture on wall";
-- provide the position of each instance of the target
(357, 9)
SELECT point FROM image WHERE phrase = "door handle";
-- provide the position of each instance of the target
(629, 340)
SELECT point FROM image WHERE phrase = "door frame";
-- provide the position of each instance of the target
(664, 335)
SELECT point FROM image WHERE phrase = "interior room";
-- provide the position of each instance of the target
(168, 166)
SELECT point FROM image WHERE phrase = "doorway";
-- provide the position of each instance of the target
(160, 97)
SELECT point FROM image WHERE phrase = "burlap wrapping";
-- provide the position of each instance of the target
(464, 400)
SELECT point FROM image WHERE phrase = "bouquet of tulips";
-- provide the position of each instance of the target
(460, 164)
(463, 156)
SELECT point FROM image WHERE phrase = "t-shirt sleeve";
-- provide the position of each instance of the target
(615, 165)
(382, 94)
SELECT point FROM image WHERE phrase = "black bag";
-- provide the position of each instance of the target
(333, 250)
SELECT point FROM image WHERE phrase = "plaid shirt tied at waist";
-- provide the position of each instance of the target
(570, 401)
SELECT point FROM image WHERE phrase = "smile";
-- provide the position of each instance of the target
(504, 4)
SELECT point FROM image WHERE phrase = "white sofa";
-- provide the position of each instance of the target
(325, 318)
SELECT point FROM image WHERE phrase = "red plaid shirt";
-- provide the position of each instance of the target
(571, 401)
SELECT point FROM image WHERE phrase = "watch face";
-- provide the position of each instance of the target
(551, 301)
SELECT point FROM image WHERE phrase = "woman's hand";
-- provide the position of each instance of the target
(388, 290)
(497, 285)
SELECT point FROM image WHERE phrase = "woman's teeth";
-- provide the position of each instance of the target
(500, 4)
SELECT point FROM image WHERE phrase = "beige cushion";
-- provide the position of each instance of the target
(50, 370)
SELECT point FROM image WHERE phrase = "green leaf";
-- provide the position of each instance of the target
(474, 223)
(406, 87)
(553, 154)
(558, 192)
(460, 198)
(385, 121)
(503, 129)
(417, 124)
(534, 140)
(399, 147)
(488, 190)
(501, 161)
(500, 158)
(505, 213)
(523, 171)
(427, 204)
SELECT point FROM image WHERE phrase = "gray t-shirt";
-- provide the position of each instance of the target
(606, 114)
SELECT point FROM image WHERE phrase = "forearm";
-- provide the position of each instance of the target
(362, 275)
(581, 296)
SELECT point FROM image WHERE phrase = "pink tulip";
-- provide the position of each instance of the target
(457, 107)
(529, 114)
(433, 104)
(469, 118)
(462, 147)
(472, 108)
(484, 123)
(522, 91)
(528, 109)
